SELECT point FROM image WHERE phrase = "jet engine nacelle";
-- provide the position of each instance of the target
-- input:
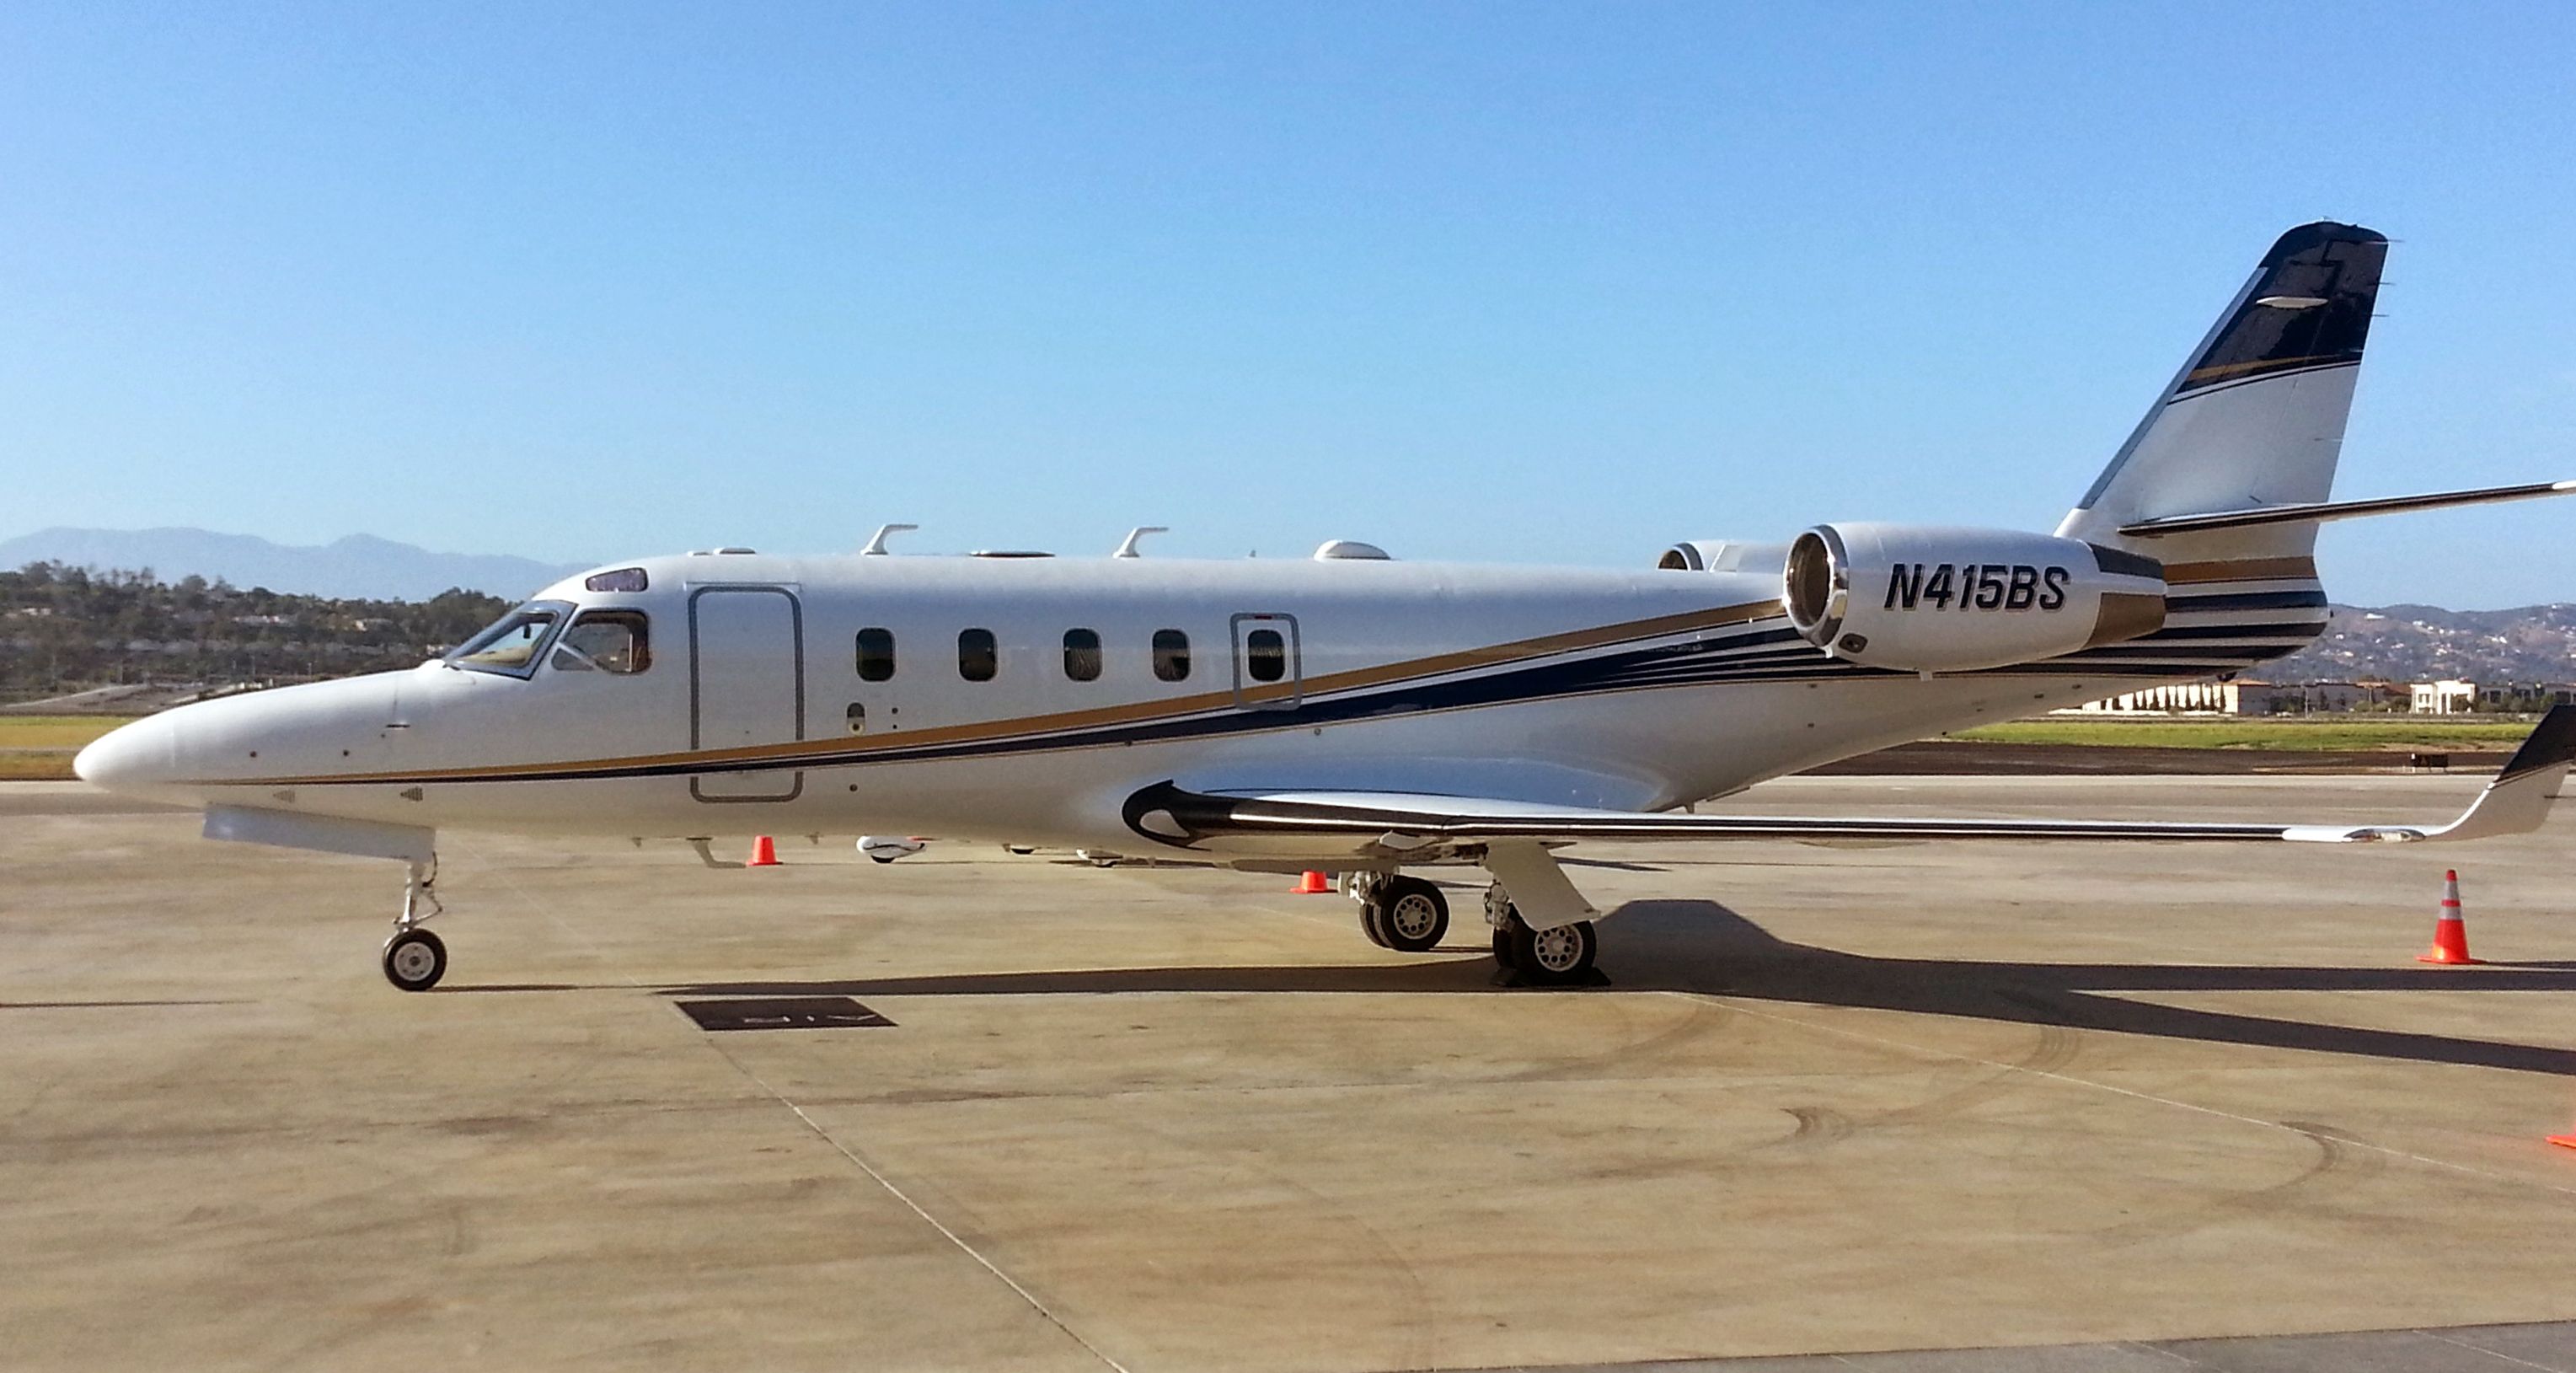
(1723, 555)
(1919, 599)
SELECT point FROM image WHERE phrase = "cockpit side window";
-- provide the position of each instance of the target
(611, 641)
(510, 645)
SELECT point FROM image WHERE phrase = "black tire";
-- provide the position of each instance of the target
(1412, 915)
(1504, 918)
(1369, 924)
(1559, 955)
(414, 960)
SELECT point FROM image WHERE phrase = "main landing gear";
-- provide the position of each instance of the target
(1560, 955)
(414, 958)
(1405, 914)
(1410, 915)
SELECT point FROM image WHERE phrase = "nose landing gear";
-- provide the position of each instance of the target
(415, 959)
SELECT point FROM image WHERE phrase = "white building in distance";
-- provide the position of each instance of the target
(2238, 697)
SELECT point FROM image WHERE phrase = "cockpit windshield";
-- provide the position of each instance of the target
(511, 644)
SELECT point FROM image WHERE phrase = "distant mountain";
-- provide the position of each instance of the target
(2422, 643)
(360, 566)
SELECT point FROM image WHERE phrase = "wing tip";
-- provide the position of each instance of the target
(2552, 743)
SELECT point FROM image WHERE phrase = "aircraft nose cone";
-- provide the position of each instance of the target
(130, 758)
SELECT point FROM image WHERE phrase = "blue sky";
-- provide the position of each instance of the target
(1510, 282)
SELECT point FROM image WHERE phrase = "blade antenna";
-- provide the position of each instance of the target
(1127, 546)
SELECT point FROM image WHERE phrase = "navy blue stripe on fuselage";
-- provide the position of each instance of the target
(2290, 629)
(2248, 600)
(1764, 655)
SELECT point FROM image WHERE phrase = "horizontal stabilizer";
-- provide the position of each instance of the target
(2319, 511)
(2518, 799)
(1416, 827)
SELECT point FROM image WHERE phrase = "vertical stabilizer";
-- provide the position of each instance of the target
(2256, 416)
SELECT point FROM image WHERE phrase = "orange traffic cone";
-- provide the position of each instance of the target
(764, 854)
(1312, 884)
(2450, 932)
(2563, 1141)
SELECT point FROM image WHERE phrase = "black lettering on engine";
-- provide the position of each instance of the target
(2055, 596)
(1900, 589)
(1990, 587)
(1939, 590)
(2024, 588)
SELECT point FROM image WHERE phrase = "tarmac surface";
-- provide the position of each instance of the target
(1965, 1107)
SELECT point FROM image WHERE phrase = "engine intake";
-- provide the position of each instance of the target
(1919, 599)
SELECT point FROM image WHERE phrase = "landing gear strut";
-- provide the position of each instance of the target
(414, 958)
(1406, 914)
(1502, 919)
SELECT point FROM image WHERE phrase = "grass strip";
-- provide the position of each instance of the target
(2341, 736)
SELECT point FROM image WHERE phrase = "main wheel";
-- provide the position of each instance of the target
(415, 960)
(1412, 914)
(1560, 954)
(1370, 911)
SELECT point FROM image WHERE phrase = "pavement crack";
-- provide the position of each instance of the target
(1018, 1289)
(2493, 1354)
(881, 1180)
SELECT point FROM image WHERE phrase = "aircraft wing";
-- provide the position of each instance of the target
(1397, 823)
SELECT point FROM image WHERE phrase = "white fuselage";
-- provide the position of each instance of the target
(1624, 690)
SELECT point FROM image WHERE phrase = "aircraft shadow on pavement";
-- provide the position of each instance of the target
(1703, 947)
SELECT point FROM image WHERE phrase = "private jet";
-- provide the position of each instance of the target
(1352, 713)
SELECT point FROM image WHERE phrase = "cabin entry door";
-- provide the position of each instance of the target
(746, 686)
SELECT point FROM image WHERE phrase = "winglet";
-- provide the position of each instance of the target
(2518, 799)
(2552, 745)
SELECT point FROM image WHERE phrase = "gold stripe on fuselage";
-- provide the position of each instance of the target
(1138, 712)
(2241, 570)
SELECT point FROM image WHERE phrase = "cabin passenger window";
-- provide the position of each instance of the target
(977, 655)
(1171, 655)
(1082, 655)
(1265, 655)
(876, 654)
(608, 640)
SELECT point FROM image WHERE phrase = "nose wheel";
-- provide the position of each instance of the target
(415, 959)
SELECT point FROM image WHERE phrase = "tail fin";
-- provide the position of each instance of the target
(2256, 417)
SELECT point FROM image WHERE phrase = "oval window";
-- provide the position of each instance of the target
(978, 657)
(1082, 655)
(1265, 655)
(1171, 655)
(876, 655)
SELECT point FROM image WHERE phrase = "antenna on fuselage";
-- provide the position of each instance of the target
(876, 542)
(1127, 546)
